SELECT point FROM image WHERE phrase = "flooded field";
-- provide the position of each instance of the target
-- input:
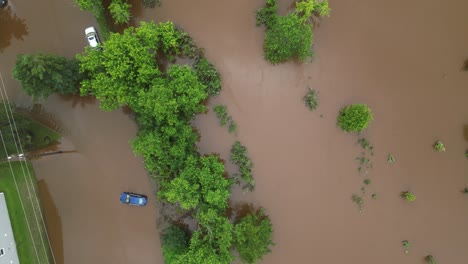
(404, 59)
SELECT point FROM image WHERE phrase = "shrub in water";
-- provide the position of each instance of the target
(408, 196)
(355, 118)
(439, 146)
(311, 99)
(288, 38)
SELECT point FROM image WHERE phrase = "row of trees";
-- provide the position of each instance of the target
(290, 37)
(127, 73)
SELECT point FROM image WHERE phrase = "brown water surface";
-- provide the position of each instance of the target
(404, 60)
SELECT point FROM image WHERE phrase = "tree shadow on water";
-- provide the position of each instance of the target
(10, 26)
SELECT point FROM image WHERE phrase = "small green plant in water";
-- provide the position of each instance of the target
(311, 99)
(358, 200)
(408, 196)
(430, 259)
(406, 245)
(365, 144)
(367, 181)
(232, 126)
(465, 190)
(439, 146)
(374, 196)
(390, 159)
(221, 113)
(466, 153)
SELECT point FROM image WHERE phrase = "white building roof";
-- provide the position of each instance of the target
(8, 253)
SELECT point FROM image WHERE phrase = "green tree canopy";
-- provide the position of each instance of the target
(165, 150)
(120, 11)
(127, 67)
(211, 244)
(253, 237)
(200, 184)
(44, 74)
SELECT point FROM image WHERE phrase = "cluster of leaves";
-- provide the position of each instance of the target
(358, 200)
(439, 146)
(465, 190)
(310, 10)
(355, 118)
(126, 73)
(430, 259)
(151, 3)
(120, 11)
(406, 245)
(208, 75)
(391, 159)
(289, 37)
(224, 119)
(253, 237)
(410, 197)
(42, 75)
(311, 99)
(240, 158)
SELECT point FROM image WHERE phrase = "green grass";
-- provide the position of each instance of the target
(24, 243)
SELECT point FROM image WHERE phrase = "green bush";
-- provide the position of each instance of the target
(239, 157)
(175, 243)
(288, 38)
(120, 11)
(410, 197)
(311, 99)
(267, 14)
(355, 118)
(439, 146)
(208, 75)
(253, 237)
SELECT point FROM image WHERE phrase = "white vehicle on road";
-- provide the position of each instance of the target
(92, 37)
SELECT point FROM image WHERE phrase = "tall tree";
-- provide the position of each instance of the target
(44, 74)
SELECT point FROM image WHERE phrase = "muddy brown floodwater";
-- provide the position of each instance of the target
(403, 58)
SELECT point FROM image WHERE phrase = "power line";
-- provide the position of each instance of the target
(19, 195)
(29, 174)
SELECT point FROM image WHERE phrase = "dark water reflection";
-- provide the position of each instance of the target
(53, 222)
(11, 26)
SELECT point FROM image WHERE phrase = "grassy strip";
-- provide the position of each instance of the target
(24, 244)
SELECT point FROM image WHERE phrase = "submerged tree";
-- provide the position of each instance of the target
(44, 74)
(253, 237)
(120, 11)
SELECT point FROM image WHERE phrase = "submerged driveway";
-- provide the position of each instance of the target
(89, 223)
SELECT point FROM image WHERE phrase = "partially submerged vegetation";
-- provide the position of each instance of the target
(355, 118)
(311, 99)
(409, 196)
(430, 259)
(290, 37)
(224, 118)
(42, 75)
(240, 158)
(439, 146)
(406, 246)
(31, 134)
(127, 73)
